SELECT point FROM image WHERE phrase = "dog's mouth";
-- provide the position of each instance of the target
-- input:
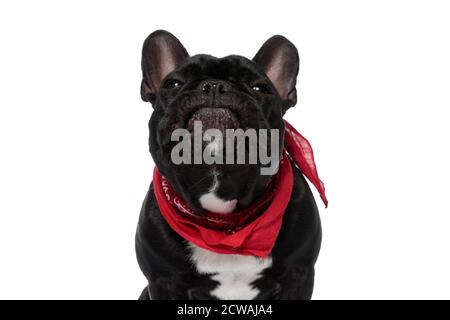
(213, 118)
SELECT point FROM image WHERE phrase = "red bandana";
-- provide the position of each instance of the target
(251, 231)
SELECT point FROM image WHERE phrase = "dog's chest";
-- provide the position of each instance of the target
(235, 273)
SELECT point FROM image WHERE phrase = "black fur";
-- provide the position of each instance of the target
(175, 84)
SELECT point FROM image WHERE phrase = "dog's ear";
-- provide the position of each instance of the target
(161, 54)
(278, 57)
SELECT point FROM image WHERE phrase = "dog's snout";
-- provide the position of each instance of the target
(214, 87)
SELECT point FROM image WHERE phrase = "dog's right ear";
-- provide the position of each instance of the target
(161, 54)
(278, 57)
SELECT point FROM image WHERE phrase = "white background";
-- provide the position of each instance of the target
(74, 164)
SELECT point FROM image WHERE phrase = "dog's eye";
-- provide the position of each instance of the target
(262, 88)
(172, 84)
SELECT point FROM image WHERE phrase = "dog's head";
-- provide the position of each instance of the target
(219, 93)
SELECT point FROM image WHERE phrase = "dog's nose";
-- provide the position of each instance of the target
(214, 87)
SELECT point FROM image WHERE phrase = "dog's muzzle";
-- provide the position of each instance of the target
(213, 118)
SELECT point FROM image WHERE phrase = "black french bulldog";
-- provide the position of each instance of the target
(246, 94)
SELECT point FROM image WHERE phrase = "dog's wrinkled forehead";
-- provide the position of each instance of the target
(231, 68)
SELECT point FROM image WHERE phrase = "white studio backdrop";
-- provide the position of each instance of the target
(374, 101)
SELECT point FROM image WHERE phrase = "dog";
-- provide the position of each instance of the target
(223, 93)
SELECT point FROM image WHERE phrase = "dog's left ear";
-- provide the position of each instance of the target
(161, 54)
(278, 57)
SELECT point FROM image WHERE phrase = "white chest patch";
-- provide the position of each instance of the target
(235, 273)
